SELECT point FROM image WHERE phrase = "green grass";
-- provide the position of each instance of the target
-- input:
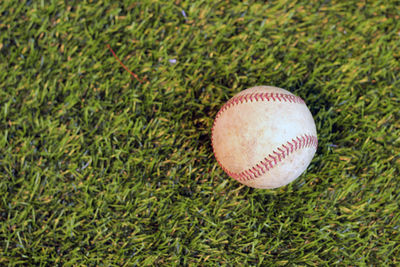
(97, 168)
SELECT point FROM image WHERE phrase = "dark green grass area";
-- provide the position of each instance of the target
(97, 168)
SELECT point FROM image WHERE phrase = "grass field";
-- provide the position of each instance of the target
(99, 168)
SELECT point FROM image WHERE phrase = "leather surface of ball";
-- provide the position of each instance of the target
(264, 137)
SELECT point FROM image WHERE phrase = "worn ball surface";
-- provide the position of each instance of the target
(264, 137)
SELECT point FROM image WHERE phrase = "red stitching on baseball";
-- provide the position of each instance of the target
(260, 169)
(304, 141)
(269, 162)
(240, 99)
(295, 144)
(282, 152)
(300, 143)
(266, 165)
(273, 158)
(291, 147)
(287, 149)
(253, 172)
(278, 154)
(249, 174)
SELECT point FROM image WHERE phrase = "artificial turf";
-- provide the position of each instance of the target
(98, 168)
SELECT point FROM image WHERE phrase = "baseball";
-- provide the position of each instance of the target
(264, 137)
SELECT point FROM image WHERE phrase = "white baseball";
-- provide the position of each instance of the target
(264, 137)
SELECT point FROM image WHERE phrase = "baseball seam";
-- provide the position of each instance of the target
(274, 97)
(273, 159)
(277, 155)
